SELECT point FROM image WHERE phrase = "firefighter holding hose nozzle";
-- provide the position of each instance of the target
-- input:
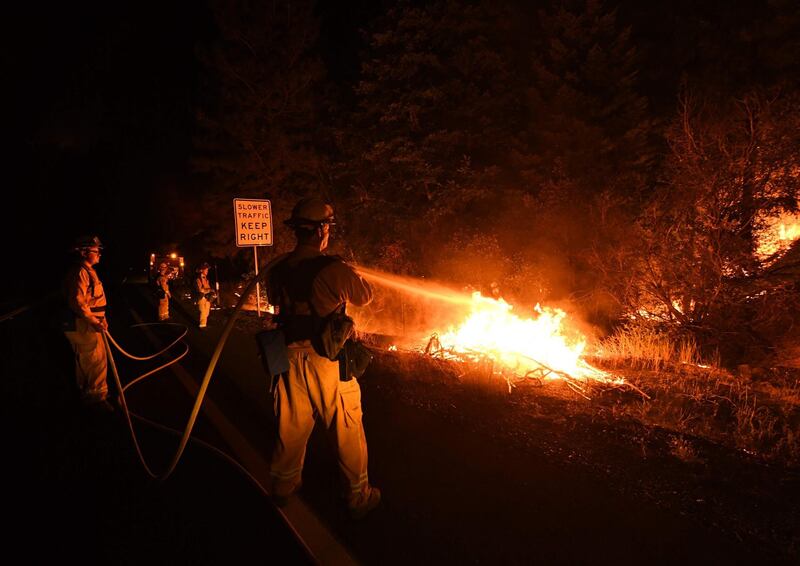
(308, 286)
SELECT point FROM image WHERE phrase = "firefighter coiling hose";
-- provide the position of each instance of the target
(187, 432)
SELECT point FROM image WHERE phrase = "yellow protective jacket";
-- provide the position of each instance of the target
(202, 286)
(84, 292)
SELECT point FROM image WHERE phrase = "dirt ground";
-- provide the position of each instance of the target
(752, 499)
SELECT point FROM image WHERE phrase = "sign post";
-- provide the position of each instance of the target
(253, 220)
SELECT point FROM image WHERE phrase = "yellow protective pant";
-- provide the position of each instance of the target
(90, 361)
(311, 390)
(163, 309)
(204, 307)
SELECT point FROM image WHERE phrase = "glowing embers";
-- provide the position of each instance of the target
(538, 347)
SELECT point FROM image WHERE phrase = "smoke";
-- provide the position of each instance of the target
(510, 245)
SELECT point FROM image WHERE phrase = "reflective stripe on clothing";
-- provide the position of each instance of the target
(202, 285)
(287, 475)
(84, 291)
(359, 486)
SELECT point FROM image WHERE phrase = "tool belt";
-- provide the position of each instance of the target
(331, 336)
(328, 335)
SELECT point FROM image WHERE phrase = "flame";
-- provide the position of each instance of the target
(778, 234)
(789, 233)
(540, 345)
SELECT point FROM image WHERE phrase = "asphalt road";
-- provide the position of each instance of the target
(454, 492)
(76, 492)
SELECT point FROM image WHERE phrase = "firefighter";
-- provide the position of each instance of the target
(312, 387)
(203, 291)
(87, 304)
(162, 290)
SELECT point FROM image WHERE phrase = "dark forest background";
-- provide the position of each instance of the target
(619, 156)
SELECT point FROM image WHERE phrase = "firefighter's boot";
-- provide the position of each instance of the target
(366, 501)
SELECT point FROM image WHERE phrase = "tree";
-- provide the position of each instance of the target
(591, 143)
(455, 145)
(436, 107)
(258, 133)
(733, 164)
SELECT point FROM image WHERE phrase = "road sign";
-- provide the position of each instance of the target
(253, 218)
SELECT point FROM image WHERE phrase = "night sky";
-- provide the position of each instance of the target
(101, 100)
(100, 115)
(99, 120)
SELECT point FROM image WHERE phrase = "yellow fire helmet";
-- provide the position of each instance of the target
(85, 242)
(311, 211)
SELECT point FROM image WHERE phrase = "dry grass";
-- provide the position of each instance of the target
(756, 413)
(759, 418)
(643, 348)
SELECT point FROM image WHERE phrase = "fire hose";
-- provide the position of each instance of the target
(185, 436)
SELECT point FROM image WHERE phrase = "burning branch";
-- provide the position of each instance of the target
(539, 347)
(539, 371)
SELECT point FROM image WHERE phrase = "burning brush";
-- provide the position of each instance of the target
(539, 347)
(519, 349)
